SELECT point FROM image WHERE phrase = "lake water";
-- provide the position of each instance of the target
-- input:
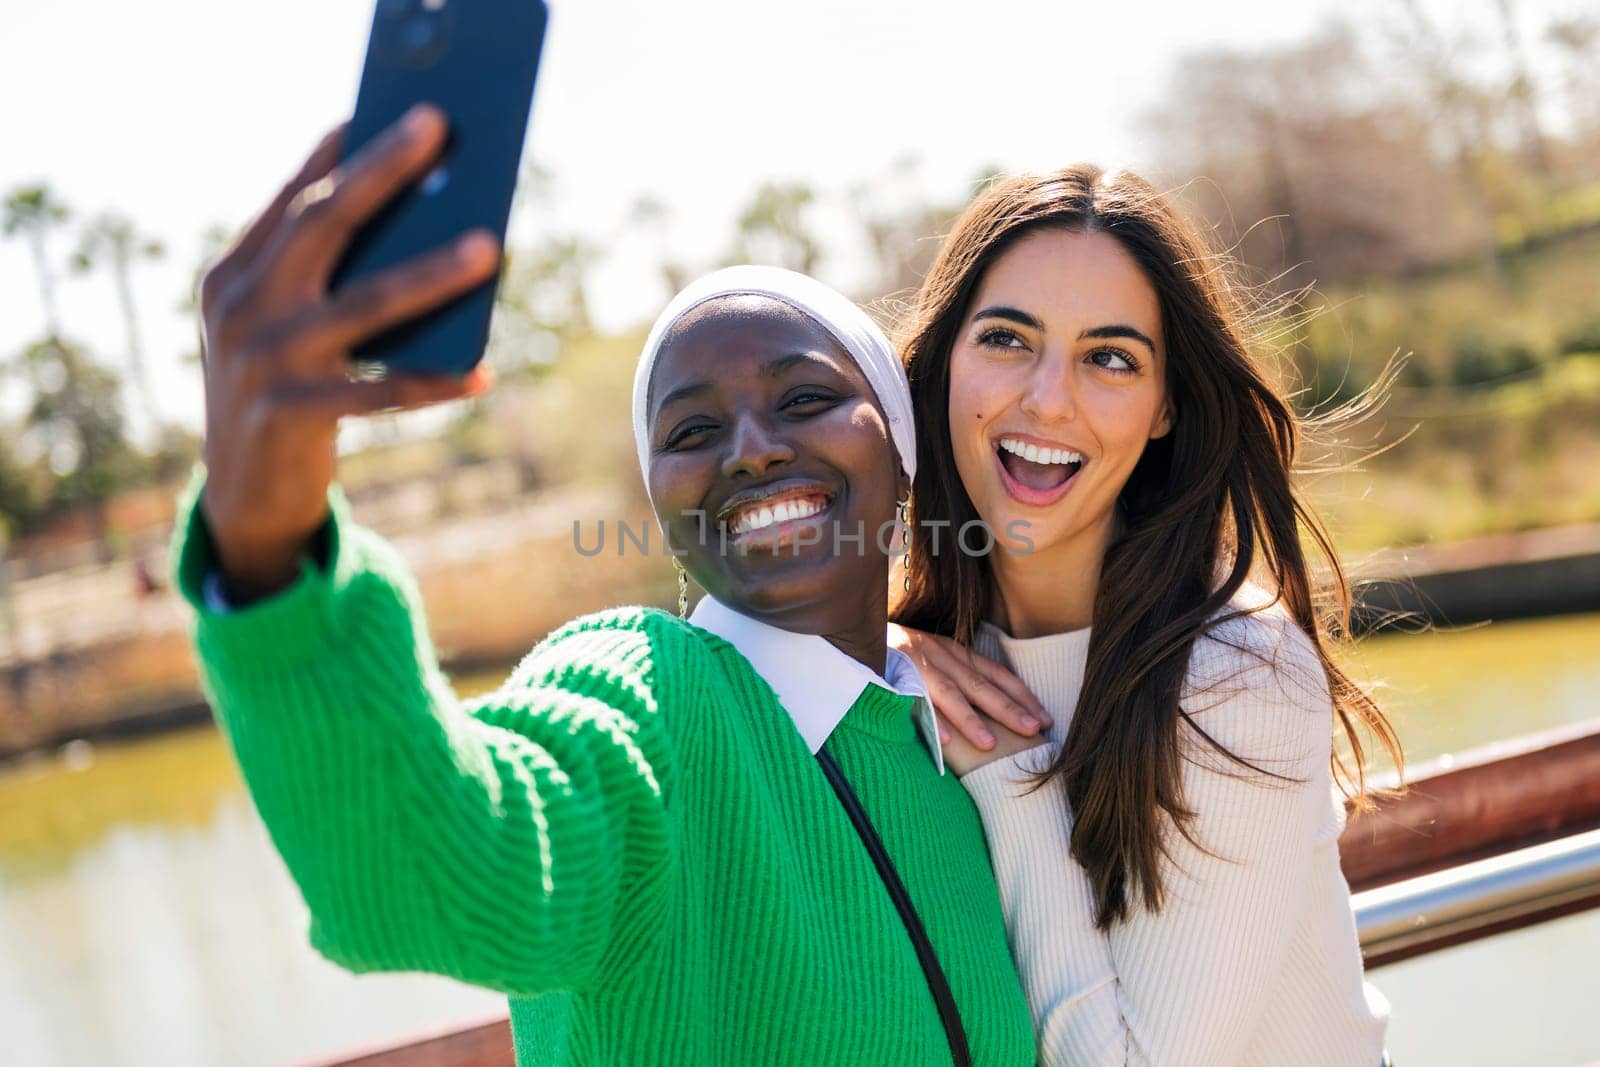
(145, 919)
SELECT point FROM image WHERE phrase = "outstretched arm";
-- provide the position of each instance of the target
(507, 842)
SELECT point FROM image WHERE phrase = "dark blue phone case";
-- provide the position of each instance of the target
(477, 60)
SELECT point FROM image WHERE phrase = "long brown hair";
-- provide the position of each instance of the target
(1215, 496)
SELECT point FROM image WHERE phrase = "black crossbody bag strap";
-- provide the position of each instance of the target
(937, 983)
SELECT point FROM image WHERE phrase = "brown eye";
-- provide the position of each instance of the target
(808, 397)
(1000, 337)
(1115, 360)
(686, 435)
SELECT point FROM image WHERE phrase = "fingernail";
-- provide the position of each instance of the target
(420, 120)
(476, 247)
(1030, 722)
(985, 738)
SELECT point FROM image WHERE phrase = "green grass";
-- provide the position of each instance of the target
(1516, 452)
(1514, 457)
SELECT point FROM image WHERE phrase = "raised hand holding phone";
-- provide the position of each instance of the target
(477, 61)
(277, 345)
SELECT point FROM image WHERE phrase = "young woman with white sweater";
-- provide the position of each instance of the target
(1168, 851)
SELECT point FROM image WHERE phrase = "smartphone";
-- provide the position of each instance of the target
(477, 60)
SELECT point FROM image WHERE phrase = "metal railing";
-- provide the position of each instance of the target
(1477, 899)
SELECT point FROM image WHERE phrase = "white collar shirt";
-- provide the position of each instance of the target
(815, 682)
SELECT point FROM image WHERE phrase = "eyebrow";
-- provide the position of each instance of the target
(1118, 330)
(795, 359)
(1022, 318)
(1010, 314)
(772, 369)
(683, 392)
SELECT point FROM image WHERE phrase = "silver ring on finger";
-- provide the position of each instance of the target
(312, 195)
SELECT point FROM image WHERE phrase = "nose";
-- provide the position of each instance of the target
(753, 449)
(1051, 394)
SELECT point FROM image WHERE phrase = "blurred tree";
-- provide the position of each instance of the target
(113, 242)
(547, 284)
(33, 211)
(1577, 40)
(78, 420)
(652, 215)
(20, 489)
(213, 242)
(1464, 113)
(19, 510)
(1522, 92)
(772, 228)
(543, 297)
(1313, 169)
(901, 227)
(1480, 360)
(174, 455)
(536, 190)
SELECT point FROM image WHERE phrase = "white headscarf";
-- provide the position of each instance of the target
(835, 312)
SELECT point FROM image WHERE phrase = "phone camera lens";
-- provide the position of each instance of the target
(419, 32)
(412, 33)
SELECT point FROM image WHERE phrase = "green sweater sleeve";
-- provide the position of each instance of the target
(517, 841)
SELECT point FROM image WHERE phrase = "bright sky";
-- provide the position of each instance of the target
(186, 113)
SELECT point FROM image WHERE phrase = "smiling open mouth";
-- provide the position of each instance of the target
(1035, 474)
(773, 518)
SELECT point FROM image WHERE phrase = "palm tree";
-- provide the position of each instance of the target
(32, 211)
(113, 241)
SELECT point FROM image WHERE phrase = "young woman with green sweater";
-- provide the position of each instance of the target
(643, 837)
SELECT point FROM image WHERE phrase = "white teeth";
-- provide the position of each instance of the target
(759, 518)
(1035, 454)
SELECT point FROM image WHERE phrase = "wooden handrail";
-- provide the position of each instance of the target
(482, 1044)
(1476, 804)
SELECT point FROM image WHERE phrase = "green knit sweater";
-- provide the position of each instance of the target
(629, 838)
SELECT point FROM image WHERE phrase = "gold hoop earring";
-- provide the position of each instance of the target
(905, 521)
(683, 588)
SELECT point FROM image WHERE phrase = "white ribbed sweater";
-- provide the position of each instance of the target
(1254, 958)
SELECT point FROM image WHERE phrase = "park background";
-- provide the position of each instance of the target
(1394, 177)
